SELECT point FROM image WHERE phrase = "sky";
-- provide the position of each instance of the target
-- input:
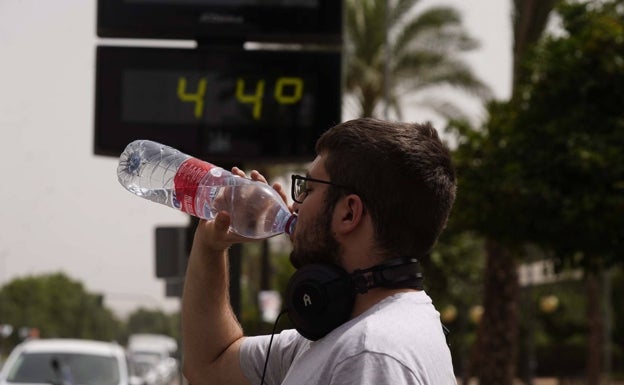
(62, 208)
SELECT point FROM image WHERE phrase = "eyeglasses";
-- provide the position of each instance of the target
(299, 187)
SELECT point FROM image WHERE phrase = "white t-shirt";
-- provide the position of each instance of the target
(397, 341)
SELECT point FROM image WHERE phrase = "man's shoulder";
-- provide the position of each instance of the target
(401, 319)
(408, 310)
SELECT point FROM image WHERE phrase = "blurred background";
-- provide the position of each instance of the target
(527, 93)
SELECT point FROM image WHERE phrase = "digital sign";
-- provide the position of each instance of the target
(211, 97)
(246, 20)
(227, 104)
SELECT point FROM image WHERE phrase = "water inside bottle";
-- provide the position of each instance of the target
(256, 210)
(161, 195)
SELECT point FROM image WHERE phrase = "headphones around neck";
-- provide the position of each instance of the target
(320, 297)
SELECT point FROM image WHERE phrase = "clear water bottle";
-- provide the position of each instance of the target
(167, 176)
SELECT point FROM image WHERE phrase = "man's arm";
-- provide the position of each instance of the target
(211, 332)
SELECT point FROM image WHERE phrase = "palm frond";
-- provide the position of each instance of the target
(438, 27)
(398, 11)
(448, 72)
(423, 53)
(444, 108)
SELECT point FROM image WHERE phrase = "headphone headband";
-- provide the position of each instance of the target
(403, 272)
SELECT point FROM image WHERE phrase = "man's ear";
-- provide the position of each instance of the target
(349, 213)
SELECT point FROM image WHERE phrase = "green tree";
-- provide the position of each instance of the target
(152, 321)
(58, 307)
(392, 52)
(548, 167)
(486, 202)
(572, 119)
(571, 116)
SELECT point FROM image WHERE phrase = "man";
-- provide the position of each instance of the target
(377, 191)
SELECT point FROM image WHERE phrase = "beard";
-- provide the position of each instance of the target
(317, 243)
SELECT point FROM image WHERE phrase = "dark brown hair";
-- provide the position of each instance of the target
(402, 172)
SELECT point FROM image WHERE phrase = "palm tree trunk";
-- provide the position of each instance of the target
(368, 103)
(530, 20)
(595, 326)
(498, 329)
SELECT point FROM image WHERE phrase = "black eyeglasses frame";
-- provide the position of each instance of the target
(294, 178)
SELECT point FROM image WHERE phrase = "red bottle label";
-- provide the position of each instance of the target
(186, 181)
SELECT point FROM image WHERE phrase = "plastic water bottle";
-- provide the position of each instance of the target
(165, 175)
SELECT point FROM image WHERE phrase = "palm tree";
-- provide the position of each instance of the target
(391, 51)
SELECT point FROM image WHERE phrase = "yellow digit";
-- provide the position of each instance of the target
(197, 98)
(295, 83)
(255, 99)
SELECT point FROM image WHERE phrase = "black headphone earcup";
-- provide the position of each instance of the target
(319, 298)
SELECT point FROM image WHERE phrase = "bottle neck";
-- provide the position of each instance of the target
(290, 224)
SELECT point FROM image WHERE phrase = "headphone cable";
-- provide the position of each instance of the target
(266, 360)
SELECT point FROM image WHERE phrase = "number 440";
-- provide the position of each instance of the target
(287, 90)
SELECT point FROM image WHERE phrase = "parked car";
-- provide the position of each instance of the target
(68, 362)
(152, 354)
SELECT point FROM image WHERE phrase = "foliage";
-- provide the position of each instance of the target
(454, 269)
(548, 166)
(559, 333)
(571, 119)
(60, 307)
(57, 306)
(550, 169)
(489, 187)
(153, 322)
(423, 54)
(453, 279)
(280, 271)
(250, 287)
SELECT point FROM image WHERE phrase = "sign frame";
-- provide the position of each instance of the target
(310, 21)
(271, 138)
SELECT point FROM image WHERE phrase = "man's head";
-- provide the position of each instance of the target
(401, 171)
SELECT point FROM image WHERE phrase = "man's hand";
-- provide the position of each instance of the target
(214, 235)
(255, 175)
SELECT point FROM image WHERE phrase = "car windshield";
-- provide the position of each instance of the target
(147, 357)
(65, 368)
